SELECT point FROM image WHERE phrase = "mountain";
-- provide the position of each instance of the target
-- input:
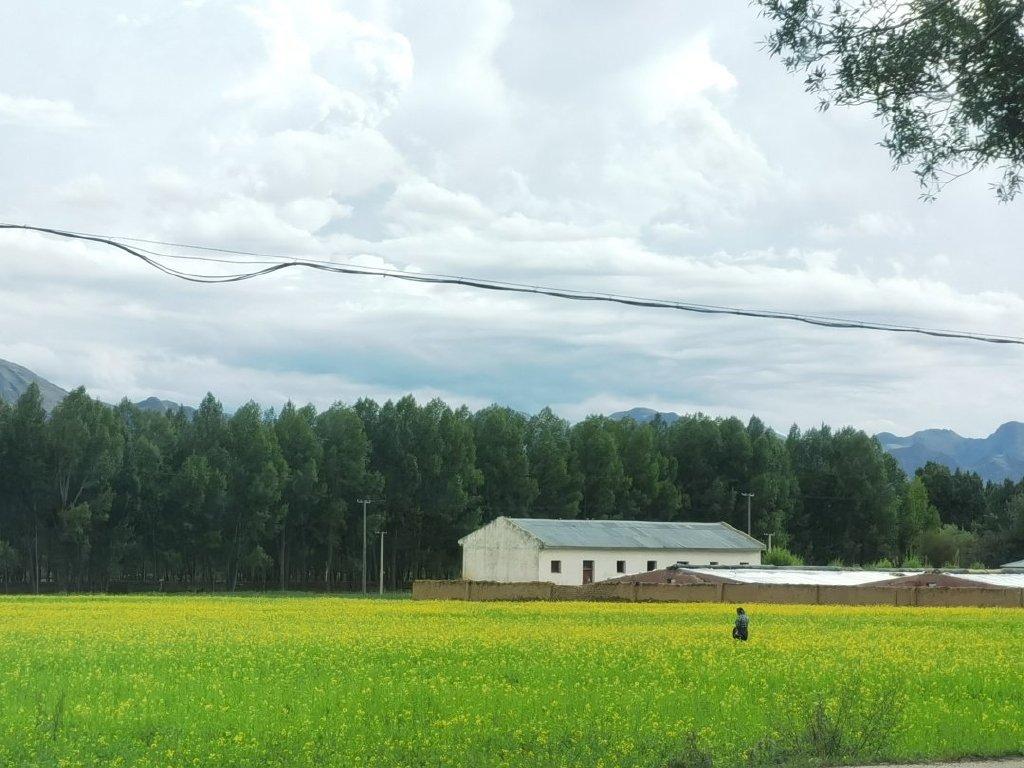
(14, 380)
(645, 415)
(996, 457)
(162, 406)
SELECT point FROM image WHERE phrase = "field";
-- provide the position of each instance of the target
(304, 681)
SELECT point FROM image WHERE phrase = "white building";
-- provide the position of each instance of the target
(584, 551)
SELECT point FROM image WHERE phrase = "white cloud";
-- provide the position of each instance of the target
(644, 152)
(33, 112)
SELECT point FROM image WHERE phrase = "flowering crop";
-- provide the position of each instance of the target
(321, 681)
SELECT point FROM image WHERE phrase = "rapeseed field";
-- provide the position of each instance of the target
(321, 681)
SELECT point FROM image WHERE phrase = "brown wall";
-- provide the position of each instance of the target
(723, 593)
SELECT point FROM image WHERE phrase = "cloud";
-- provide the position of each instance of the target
(658, 155)
(32, 112)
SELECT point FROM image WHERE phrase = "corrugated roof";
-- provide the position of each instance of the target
(997, 579)
(1014, 564)
(635, 534)
(849, 578)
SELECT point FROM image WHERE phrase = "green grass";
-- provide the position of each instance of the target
(327, 681)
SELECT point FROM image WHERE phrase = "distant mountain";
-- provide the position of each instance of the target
(162, 406)
(645, 415)
(996, 457)
(14, 380)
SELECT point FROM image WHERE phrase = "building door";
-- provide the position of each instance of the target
(588, 571)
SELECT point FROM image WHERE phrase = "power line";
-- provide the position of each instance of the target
(270, 264)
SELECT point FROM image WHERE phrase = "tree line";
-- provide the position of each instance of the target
(94, 496)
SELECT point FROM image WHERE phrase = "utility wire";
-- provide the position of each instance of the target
(271, 264)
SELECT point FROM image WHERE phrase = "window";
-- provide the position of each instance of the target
(652, 564)
(744, 563)
(556, 566)
(684, 562)
(713, 562)
(620, 566)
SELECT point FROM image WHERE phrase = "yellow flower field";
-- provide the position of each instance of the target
(321, 681)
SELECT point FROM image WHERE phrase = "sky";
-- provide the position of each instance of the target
(647, 148)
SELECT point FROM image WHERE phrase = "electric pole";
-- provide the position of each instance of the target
(381, 580)
(749, 497)
(365, 503)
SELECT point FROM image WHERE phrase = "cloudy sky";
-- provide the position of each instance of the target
(647, 148)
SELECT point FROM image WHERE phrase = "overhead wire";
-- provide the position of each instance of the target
(269, 264)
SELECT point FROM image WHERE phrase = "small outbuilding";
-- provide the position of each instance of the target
(584, 551)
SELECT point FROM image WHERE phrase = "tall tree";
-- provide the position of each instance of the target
(303, 488)
(598, 462)
(86, 445)
(553, 467)
(508, 488)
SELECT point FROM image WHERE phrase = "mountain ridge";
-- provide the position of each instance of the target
(15, 379)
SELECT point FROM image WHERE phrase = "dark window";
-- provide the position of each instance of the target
(744, 563)
(652, 564)
(714, 562)
(556, 566)
(620, 566)
(588, 571)
(684, 562)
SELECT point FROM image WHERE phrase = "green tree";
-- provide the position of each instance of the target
(508, 488)
(303, 489)
(86, 446)
(25, 479)
(917, 515)
(553, 467)
(651, 493)
(346, 476)
(943, 75)
(598, 462)
(257, 476)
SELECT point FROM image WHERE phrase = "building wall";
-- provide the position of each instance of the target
(636, 561)
(499, 552)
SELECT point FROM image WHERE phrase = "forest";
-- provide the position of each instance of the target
(95, 497)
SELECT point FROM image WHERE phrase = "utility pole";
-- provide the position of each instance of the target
(769, 542)
(365, 503)
(749, 497)
(381, 580)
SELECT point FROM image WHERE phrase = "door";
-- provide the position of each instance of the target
(588, 571)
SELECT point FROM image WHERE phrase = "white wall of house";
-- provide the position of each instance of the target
(636, 561)
(500, 552)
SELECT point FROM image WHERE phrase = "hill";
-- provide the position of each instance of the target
(15, 379)
(996, 457)
(645, 415)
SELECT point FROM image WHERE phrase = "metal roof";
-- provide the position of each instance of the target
(824, 577)
(1014, 564)
(1005, 580)
(635, 534)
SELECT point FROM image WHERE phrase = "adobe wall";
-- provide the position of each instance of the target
(835, 595)
(985, 597)
(969, 596)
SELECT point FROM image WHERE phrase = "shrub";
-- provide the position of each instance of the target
(913, 561)
(834, 732)
(885, 564)
(693, 755)
(781, 556)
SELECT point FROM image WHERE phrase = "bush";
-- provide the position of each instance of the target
(780, 556)
(694, 755)
(833, 732)
(913, 561)
(885, 564)
(948, 545)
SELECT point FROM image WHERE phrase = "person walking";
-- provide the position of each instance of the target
(741, 631)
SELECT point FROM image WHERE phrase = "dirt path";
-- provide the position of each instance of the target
(1016, 762)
